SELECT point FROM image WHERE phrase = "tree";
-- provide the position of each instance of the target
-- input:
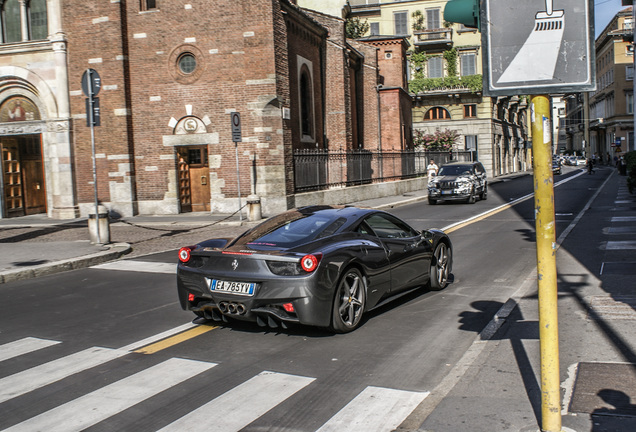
(356, 28)
(439, 140)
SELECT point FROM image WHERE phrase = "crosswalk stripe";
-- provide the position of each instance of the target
(94, 407)
(48, 373)
(376, 409)
(139, 266)
(237, 408)
(24, 346)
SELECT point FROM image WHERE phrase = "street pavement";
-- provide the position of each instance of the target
(496, 385)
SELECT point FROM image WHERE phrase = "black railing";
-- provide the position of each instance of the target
(323, 169)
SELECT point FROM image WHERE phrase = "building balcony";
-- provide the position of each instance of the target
(433, 37)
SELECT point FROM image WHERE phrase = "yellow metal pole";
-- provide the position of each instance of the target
(546, 263)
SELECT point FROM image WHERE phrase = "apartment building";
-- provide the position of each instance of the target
(612, 104)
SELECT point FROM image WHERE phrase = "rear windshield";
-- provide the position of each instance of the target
(286, 233)
(454, 170)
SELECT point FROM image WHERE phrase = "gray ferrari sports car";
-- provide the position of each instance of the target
(321, 266)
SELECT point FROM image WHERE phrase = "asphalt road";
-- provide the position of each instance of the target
(294, 380)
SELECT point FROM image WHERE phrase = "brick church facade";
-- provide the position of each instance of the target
(172, 73)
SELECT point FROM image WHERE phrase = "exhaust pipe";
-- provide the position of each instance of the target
(232, 308)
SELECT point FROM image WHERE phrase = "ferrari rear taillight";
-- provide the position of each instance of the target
(184, 254)
(190, 297)
(289, 307)
(310, 262)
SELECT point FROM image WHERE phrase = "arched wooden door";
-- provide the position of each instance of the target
(193, 176)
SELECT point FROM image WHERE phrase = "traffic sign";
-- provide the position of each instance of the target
(236, 127)
(92, 104)
(538, 47)
(91, 83)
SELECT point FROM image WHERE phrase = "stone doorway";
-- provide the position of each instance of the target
(194, 175)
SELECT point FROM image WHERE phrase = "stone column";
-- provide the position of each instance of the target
(24, 21)
(64, 201)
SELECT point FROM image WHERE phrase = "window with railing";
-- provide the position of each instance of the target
(432, 19)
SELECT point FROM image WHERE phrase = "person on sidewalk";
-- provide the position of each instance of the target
(431, 170)
(590, 165)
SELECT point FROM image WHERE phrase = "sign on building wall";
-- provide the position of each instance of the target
(537, 46)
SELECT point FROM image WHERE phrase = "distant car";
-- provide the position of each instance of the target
(459, 181)
(580, 160)
(556, 168)
(322, 266)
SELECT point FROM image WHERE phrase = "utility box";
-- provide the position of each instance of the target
(102, 221)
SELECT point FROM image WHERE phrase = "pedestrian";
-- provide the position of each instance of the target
(431, 170)
(609, 159)
(590, 165)
(622, 166)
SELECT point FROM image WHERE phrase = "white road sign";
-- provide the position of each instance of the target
(537, 46)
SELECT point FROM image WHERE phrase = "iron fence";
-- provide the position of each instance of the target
(323, 169)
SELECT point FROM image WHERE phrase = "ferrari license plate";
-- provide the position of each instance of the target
(242, 288)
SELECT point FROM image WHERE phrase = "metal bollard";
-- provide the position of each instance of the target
(254, 208)
(104, 226)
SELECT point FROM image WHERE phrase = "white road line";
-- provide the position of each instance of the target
(624, 219)
(376, 409)
(23, 346)
(237, 408)
(23, 382)
(139, 266)
(48, 373)
(621, 245)
(94, 407)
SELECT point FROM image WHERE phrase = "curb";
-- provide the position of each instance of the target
(114, 251)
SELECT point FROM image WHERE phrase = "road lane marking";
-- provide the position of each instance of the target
(159, 336)
(462, 224)
(48, 373)
(174, 340)
(101, 404)
(237, 408)
(376, 409)
(24, 346)
(621, 245)
(138, 266)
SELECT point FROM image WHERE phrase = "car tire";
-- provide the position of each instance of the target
(471, 199)
(484, 193)
(349, 302)
(441, 262)
(432, 201)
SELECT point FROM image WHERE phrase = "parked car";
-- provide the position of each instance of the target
(321, 266)
(556, 168)
(459, 181)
